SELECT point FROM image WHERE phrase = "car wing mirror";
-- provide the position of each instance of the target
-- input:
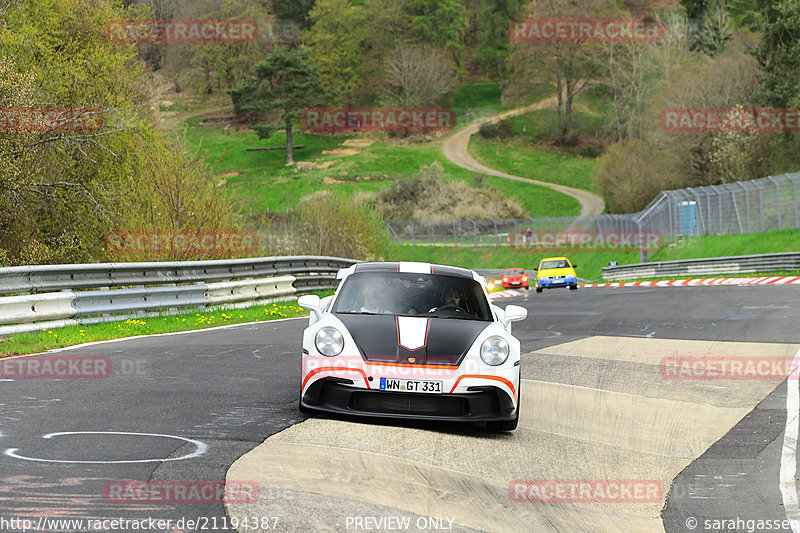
(514, 313)
(311, 302)
(574, 265)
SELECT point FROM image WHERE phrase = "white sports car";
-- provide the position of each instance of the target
(412, 340)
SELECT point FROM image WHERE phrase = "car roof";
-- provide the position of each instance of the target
(412, 267)
(514, 268)
(409, 267)
(554, 259)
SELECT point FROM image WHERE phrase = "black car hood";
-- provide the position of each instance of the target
(446, 341)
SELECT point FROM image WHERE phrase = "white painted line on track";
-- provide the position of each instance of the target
(200, 448)
(789, 453)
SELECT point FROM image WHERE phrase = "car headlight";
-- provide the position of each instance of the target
(543, 278)
(505, 280)
(524, 278)
(494, 351)
(329, 341)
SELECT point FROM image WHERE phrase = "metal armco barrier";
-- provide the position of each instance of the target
(43, 278)
(86, 294)
(786, 262)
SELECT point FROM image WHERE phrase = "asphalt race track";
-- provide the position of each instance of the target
(598, 408)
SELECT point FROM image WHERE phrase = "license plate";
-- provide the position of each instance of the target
(411, 385)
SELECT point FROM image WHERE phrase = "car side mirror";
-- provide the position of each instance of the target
(515, 313)
(574, 265)
(311, 302)
(535, 269)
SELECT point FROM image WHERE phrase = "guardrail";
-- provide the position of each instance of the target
(106, 292)
(787, 262)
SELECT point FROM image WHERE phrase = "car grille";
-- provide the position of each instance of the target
(406, 403)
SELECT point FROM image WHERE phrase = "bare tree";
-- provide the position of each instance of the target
(634, 69)
(571, 65)
(419, 75)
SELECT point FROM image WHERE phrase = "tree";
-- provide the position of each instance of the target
(570, 65)
(419, 75)
(494, 18)
(778, 54)
(282, 84)
(633, 70)
(336, 41)
(228, 63)
(62, 189)
(441, 23)
(294, 10)
(630, 174)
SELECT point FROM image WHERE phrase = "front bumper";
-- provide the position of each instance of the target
(553, 282)
(480, 403)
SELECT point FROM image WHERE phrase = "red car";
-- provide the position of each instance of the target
(515, 277)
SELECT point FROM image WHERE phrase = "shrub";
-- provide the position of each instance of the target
(339, 226)
(500, 130)
(432, 195)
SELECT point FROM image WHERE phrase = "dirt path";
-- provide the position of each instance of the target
(455, 149)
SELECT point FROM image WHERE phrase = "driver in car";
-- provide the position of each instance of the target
(369, 292)
(450, 299)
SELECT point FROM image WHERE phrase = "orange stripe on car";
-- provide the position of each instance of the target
(335, 369)
(427, 329)
(496, 378)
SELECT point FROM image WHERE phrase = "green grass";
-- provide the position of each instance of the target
(526, 161)
(726, 245)
(480, 99)
(527, 152)
(590, 264)
(36, 342)
(263, 181)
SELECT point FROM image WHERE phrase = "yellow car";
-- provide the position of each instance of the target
(556, 272)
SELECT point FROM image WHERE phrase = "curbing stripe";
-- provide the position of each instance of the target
(763, 280)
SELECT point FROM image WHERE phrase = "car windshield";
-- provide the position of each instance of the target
(420, 295)
(546, 265)
(514, 272)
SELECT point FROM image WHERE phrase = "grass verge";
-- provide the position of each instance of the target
(590, 263)
(41, 341)
(261, 181)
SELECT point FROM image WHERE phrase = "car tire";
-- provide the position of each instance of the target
(573, 287)
(302, 408)
(538, 289)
